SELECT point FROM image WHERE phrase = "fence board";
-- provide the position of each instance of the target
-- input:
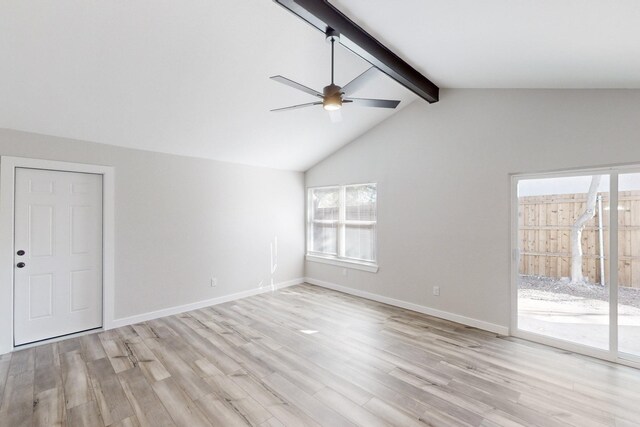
(545, 230)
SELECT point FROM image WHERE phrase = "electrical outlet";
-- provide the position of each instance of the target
(214, 282)
(436, 291)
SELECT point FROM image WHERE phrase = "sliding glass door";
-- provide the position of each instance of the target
(576, 264)
(629, 264)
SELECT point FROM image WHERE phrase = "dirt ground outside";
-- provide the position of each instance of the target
(578, 313)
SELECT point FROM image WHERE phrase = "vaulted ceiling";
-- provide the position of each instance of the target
(186, 77)
(191, 77)
(510, 44)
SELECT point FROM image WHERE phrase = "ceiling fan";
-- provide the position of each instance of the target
(333, 96)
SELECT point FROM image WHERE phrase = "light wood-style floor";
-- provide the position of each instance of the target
(309, 356)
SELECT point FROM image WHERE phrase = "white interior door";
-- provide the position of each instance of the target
(58, 254)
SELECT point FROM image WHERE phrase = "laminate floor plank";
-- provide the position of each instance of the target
(49, 408)
(116, 351)
(92, 347)
(308, 404)
(113, 403)
(22, 361)
(322, 376)
(308, 356)
(69, 345)
(181, 373)
(84, 415)
(257, 389)
(5, 361)
(127, 422)
(219, 413)
(391, 414)
(178, 404)
(146, 405)
(350, 410)
(17, 405)
(147, 360)
(272, 422)
(48, 374)
(212, 349)
(75, 380)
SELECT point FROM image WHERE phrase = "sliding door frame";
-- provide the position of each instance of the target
(612, 354)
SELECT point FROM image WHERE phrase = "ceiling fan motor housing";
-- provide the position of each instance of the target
(332, 99)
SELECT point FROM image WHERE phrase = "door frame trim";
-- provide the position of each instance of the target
(8, 166)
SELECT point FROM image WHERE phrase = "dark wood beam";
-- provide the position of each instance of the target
(324, 16)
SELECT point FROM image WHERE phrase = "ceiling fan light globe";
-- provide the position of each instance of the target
(331, 106)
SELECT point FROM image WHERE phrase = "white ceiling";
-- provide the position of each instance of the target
(186, 77)
(190, 77)
(510, 43)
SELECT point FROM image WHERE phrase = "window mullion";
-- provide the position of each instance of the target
(342, 214)
(310, 218)
(613, 263)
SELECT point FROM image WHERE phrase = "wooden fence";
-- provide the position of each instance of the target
(545, 229)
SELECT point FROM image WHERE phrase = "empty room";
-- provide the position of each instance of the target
(319, 213)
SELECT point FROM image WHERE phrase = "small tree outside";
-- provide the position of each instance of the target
(578, 226)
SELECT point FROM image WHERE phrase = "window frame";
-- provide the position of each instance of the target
(339, 259)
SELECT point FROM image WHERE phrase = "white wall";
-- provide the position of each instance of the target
(180, 221)
(444, 188)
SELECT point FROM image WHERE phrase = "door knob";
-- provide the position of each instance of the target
(20, 265)
(20, 252)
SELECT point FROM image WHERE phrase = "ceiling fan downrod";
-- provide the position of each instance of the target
(332, 93)
(333, 41)
(332, 36)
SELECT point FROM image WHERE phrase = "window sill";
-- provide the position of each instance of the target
(364, 266)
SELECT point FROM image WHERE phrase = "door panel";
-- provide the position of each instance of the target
(629, 264)
(80, 222)
(40, 296)
(40, 230)
(81, 287)
(563, 227)
(58, 223)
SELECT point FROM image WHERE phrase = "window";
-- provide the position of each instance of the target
(342, 224)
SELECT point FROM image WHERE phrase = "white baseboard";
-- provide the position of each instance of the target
(170, 311)
(468, 321)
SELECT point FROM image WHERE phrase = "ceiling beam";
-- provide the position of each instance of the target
(324, 16)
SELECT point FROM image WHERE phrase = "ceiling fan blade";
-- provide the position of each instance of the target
(379, 103)
(357, 83)
(293, 107)
(296, 85)
(335, 116)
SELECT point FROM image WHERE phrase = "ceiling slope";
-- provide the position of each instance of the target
(561, 44)
(182, 77)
